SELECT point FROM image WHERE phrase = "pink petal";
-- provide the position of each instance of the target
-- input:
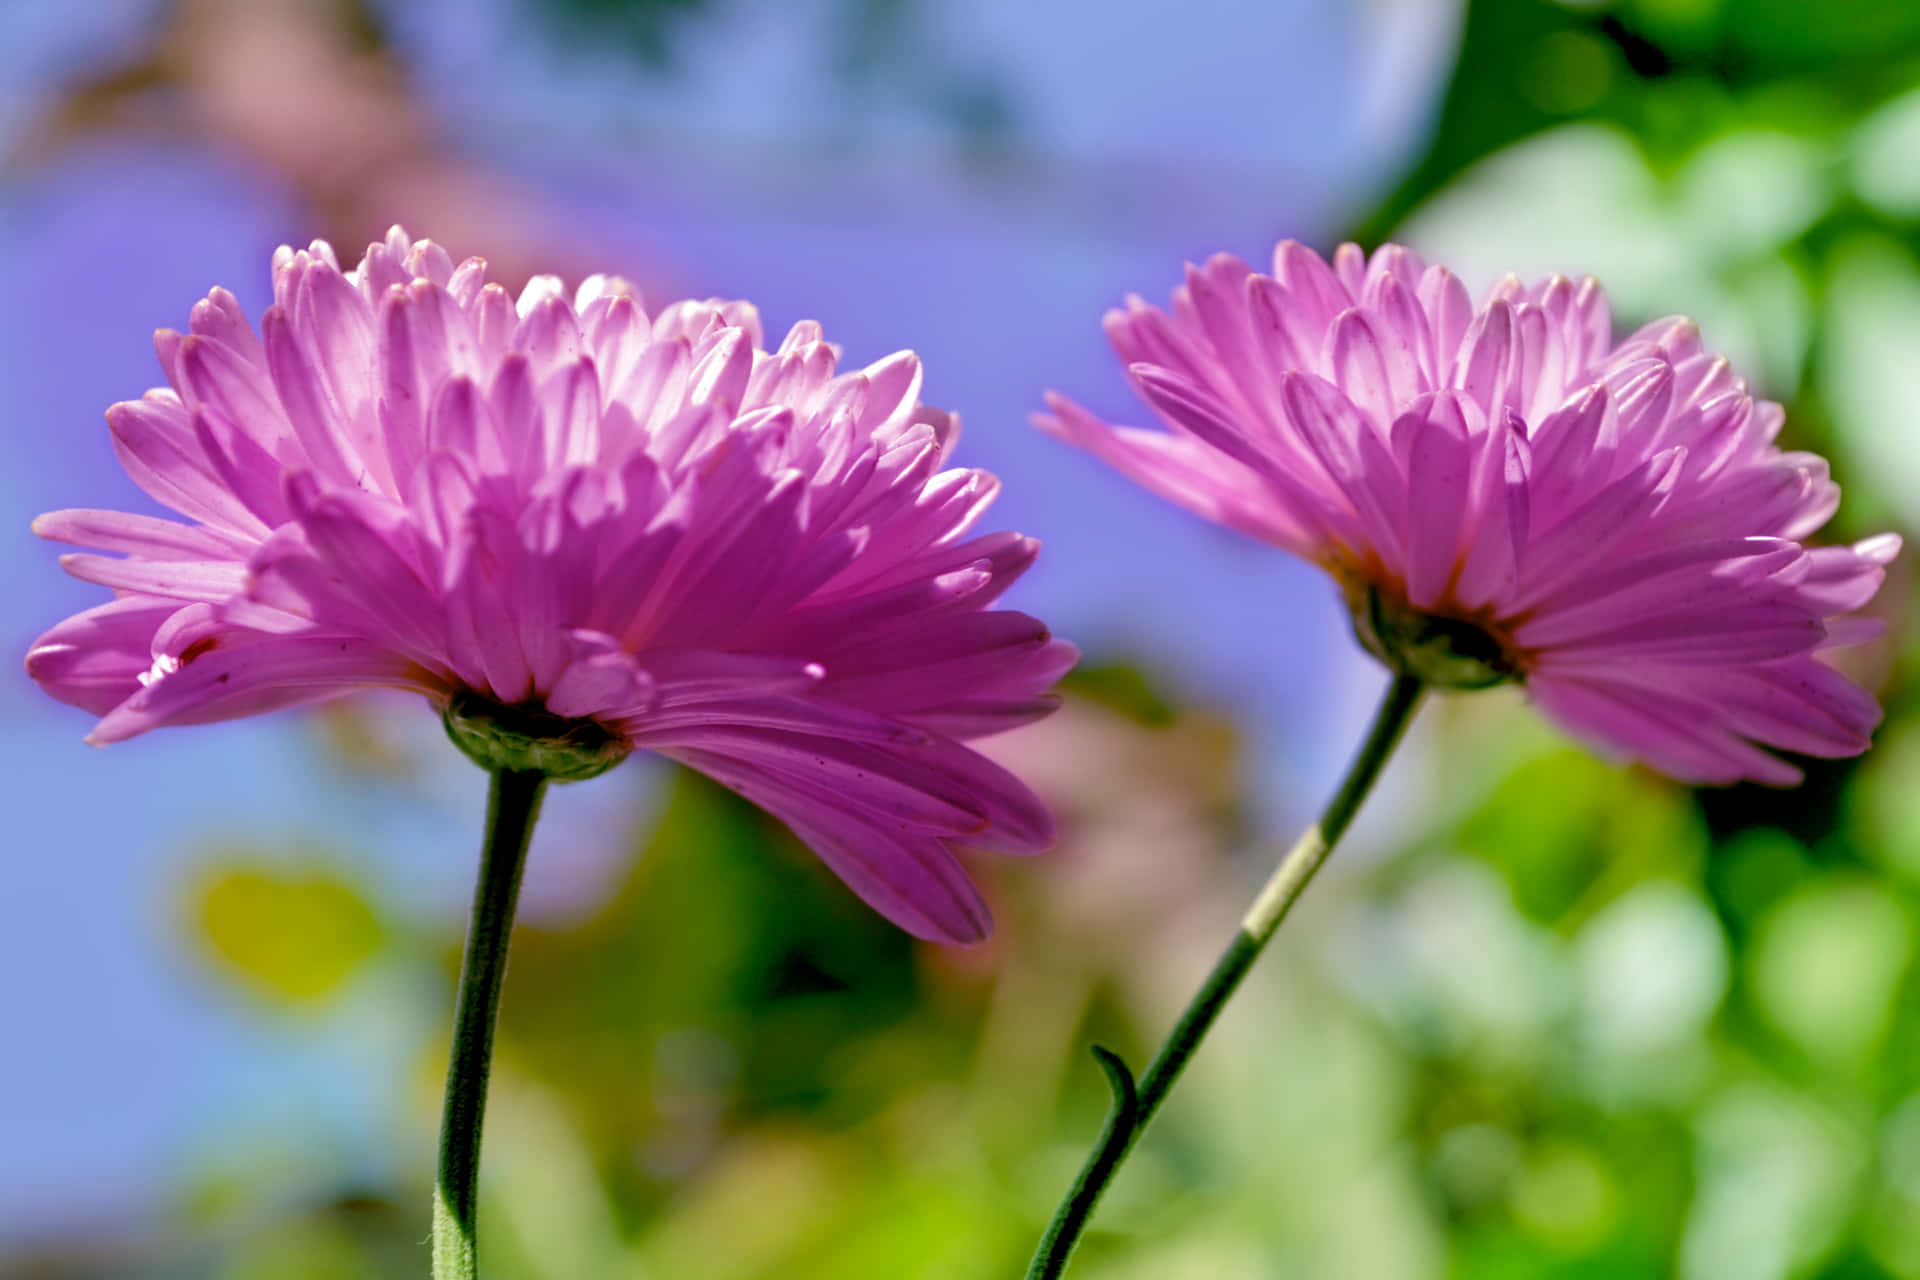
(1660, 580)
(1646, 725)
(146, 536)
(94, 660)
(225, 380)
(307, 402)
(1377, 368)
(154, 440)
(211, 580)
(1310, 281)
(1439, 466)
(894, 394)
(1499, 516)
(1485, 363)
(228, 684)
(244, 466)
(601, 681)
(549, 332)
(1758, 632)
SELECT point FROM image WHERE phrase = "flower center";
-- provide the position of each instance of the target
(1446, 651)
(497, 737)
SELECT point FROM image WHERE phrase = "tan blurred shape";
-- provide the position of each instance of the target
(310, 93)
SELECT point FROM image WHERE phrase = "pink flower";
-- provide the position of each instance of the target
(579, 530)
(1503, 493)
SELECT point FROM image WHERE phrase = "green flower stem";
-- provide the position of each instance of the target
(1134, 1108)
(512, 806)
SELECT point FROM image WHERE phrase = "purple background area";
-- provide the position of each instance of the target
(749, 171)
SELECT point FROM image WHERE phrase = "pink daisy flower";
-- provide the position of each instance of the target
(1503, 493)
(580, 530)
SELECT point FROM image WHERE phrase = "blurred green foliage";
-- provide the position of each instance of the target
(1568, 1029)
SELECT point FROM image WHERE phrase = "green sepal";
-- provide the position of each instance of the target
(531, 739)
(1446, 652)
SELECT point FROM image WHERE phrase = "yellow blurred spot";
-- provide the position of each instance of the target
(287, 934)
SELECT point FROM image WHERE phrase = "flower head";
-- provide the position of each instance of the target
(580, 530)
(1503, 493)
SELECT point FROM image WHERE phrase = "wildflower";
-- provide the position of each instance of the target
(579, 530)
(1505, 494)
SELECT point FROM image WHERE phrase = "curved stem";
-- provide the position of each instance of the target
(512, 805)
(1134, 1111)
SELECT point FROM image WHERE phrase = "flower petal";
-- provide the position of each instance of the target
(229, 683)
(94, 660)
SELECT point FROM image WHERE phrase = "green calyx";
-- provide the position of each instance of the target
(531, 739)
(1447, 652)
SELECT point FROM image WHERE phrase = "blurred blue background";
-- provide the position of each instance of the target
(976, 182)
(224, 966)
